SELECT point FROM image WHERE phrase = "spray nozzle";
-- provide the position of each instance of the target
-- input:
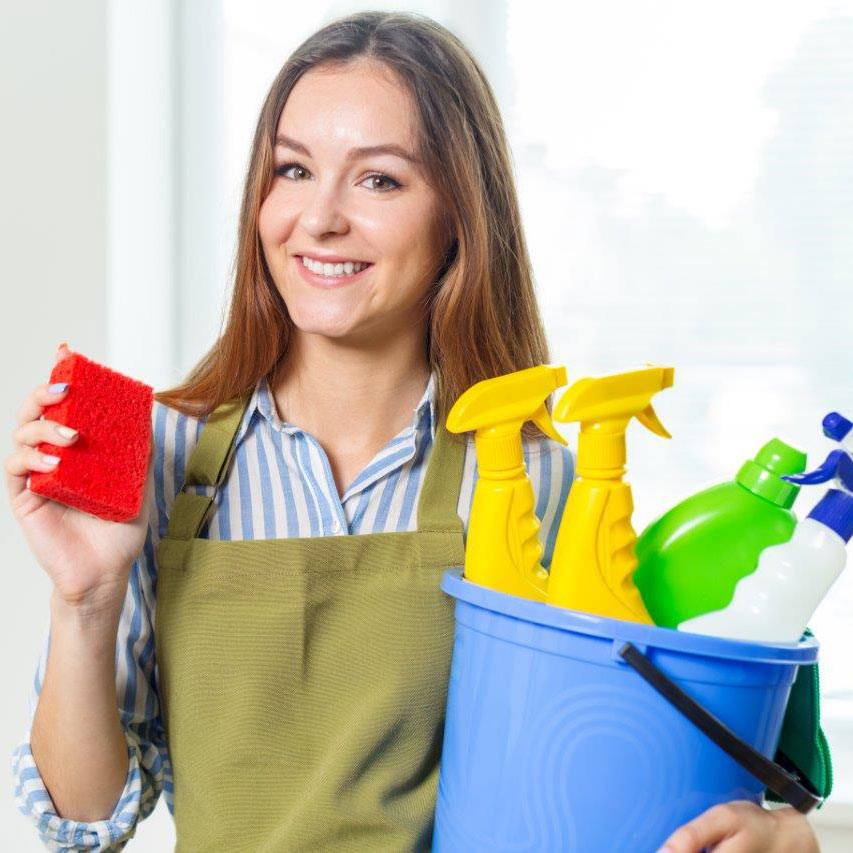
(836, 426)
(604, 407)
(497, 408)
(837, 466)
(835, 509)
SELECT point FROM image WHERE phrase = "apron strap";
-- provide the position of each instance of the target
(211, 457)
(208, 464)
(440, 491)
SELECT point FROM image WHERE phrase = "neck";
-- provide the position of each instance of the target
(348, 397)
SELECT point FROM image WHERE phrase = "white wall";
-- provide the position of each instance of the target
(53, 241)
(53, 245)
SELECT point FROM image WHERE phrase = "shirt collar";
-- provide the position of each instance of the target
(262, 403)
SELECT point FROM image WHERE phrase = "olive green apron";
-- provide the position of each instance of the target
(303, 681)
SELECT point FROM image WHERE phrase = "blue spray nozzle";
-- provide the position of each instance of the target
(845, 472)
(838, 465)
(836, 426)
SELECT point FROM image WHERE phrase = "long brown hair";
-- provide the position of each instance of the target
(481, 312)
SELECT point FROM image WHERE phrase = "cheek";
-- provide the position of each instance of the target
(398, 232)
(274, 221)
(265, 222)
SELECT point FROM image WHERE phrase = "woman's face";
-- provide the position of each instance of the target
(326, 200)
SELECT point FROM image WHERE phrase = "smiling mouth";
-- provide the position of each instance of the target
(318, 265)
(329, 281)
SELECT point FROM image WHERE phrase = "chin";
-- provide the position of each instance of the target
(326, 327)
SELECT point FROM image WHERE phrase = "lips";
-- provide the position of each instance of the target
(328, 282)
(330, 261)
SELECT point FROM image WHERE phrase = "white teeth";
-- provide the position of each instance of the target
(331, 270)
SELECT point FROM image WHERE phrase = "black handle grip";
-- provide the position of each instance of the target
(771, 774)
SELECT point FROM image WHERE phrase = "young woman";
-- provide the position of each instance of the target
(272, 621)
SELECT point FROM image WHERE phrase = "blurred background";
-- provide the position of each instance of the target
(686, 180)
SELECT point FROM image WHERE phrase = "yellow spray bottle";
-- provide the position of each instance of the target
(502, 549)
(593, 564)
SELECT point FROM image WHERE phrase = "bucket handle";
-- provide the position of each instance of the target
(771, 774)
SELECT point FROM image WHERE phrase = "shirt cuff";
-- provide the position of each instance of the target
(57, 833)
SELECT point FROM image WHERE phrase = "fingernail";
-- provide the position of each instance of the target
(57, 388)
(48, 459)
(66, 432)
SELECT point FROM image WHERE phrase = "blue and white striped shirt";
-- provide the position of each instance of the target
(280, 485)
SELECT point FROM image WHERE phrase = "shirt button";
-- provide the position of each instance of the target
(336, 526)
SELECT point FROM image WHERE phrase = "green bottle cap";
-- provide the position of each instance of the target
(762, 474)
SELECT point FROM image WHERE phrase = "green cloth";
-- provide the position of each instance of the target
(803, 749)
(304, 680)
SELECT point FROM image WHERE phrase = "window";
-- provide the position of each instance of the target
(686, 188)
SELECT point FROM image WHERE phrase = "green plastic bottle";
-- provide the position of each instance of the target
(690, 560)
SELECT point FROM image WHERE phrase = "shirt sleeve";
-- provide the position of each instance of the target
(551, 468)
(139, 707)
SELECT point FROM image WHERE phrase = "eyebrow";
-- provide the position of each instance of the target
(354, 153)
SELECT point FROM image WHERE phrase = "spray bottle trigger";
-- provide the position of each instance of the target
(649, 419)
(845, 472)
(827, 471)
(543, 420)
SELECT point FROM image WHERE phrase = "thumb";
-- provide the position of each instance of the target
(62, 351)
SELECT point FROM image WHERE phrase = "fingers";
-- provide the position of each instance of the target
(711, 827)
(19, 465)
(28, 459)
(32, 430)
(34, 406)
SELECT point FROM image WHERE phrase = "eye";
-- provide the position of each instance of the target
(286, 167)
(381, 177)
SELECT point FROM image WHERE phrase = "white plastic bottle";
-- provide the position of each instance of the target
(776, 601)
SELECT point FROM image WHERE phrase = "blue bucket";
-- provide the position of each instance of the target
(553, 742)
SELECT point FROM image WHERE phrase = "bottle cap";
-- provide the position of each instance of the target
(762, 475)
(835, 510)
(836, 426)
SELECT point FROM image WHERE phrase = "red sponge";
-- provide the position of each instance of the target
(103, 471)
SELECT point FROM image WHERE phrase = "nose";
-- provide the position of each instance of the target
(323, 213)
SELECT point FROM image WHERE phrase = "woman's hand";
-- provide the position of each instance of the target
(88, 559)
(744, 827)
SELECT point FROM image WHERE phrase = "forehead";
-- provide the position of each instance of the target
(357, 105)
